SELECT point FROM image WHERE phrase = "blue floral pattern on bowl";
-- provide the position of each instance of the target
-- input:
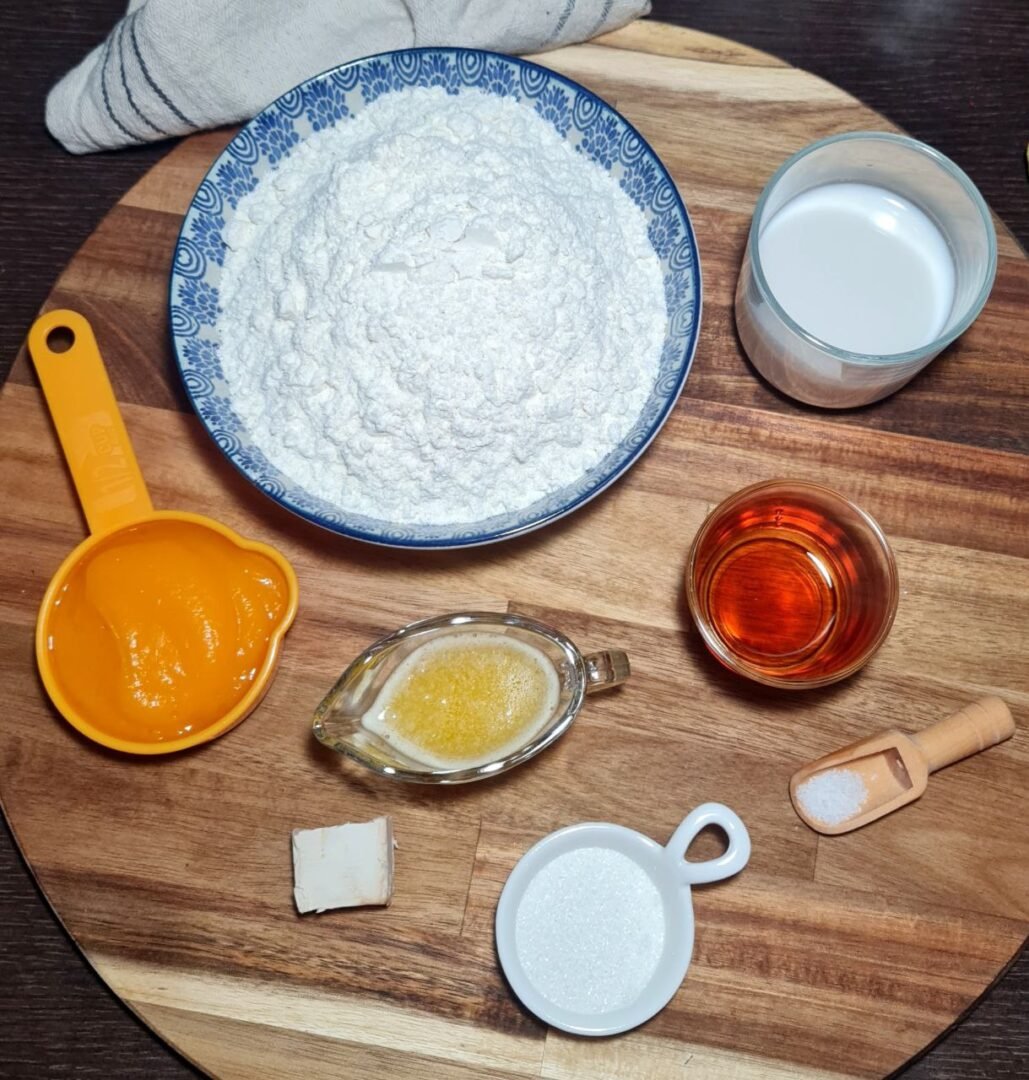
(325, 103)
(600, 140)
(587, 123)
(438, 69)
(275, 134)
(552, 105)
(377, 76)
(234, 180)
(206, 230)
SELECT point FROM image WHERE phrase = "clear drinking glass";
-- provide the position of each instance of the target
(338, 720)
(808, 368)
(791, 584)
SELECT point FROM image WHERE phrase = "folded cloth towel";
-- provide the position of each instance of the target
(174, 66)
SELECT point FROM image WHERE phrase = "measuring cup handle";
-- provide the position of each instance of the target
(89, 424)
(732, 861)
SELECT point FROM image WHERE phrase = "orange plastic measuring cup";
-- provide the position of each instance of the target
(162, 629)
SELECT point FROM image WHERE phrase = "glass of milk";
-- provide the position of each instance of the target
(868, 254)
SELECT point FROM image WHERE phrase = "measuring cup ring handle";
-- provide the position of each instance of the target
(731, 861)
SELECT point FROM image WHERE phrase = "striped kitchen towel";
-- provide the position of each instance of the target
(174, 66)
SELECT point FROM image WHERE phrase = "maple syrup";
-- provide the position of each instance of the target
(792, 584)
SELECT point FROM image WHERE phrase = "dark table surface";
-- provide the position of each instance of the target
(952, 72)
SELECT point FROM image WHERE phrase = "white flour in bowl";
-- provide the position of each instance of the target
(439, 311)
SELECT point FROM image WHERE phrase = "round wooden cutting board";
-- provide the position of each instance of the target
(827, 957)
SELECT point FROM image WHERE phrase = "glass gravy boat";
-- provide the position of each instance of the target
(339, 723)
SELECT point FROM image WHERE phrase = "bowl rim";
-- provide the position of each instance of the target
(497, 535)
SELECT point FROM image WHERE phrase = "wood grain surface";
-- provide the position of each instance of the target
(837, 958)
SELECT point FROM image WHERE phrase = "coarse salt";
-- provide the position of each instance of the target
(590, 930)
(832, 796)
(439, 310)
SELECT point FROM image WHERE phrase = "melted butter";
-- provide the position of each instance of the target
(161, 630)
(465, 699)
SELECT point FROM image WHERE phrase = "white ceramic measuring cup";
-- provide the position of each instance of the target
(580, 936)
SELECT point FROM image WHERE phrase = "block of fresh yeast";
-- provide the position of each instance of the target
(343, 865)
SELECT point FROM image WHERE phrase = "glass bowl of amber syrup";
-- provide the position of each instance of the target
(461, 697)
(791, 584)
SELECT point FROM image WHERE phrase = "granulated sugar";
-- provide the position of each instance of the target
(438, 310)
(832, 796)
(590, 930)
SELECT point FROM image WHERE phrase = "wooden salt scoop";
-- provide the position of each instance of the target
(894, 768)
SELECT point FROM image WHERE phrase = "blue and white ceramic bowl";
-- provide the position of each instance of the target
(336, 96)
